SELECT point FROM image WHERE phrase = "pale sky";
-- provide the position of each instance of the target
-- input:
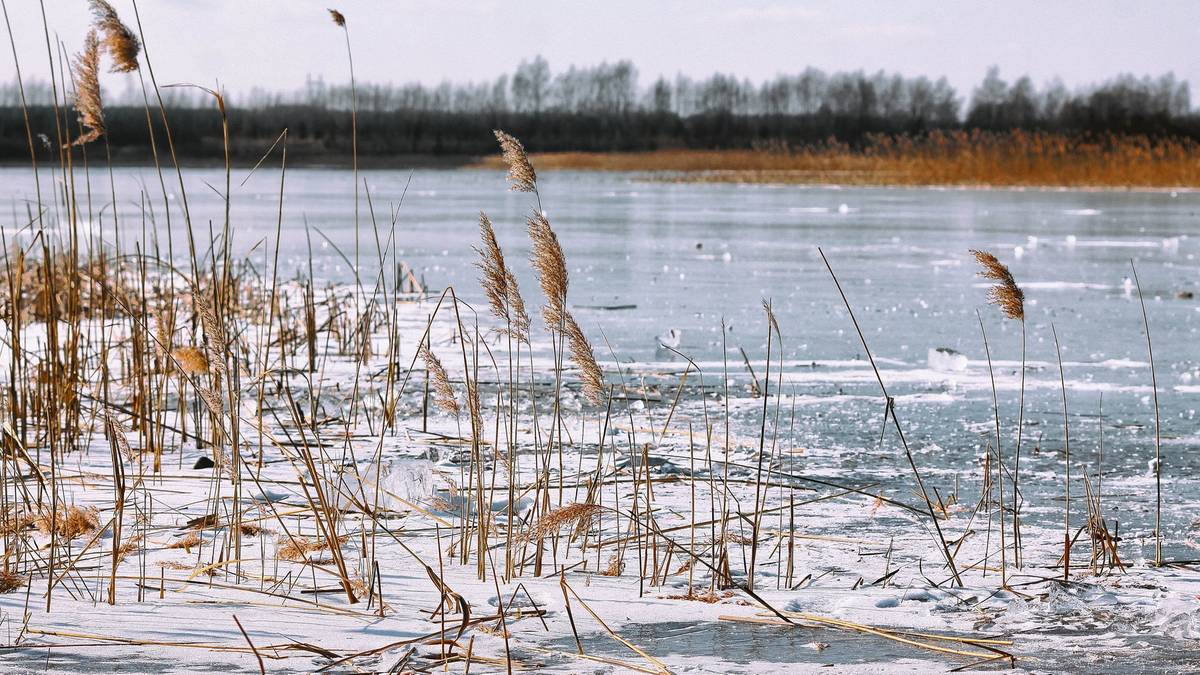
(275, 43)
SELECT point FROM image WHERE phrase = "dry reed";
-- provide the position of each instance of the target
(10, 581)
(120, 42)
(521, 175)
(297, 549)
(575, 516)
(87, 90)
(968, 158)
(550, 264)
(585, 359)
(444, 397)
(188, 542)
(499, 284)
(191, 360)
(69, 523)
(1005, 294)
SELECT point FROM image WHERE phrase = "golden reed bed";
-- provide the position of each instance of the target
(1008, 159)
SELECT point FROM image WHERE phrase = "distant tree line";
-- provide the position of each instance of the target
(603, 107)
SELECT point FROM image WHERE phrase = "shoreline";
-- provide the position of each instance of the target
(595, 163)
(1010, 166)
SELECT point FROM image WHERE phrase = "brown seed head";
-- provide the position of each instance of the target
(443, 392)
(520, 171)
(87, 90)
(212, 400)
(577, 516)
(499, 284)
(1005, 294)
(520, 318)
(551, 266)
(338, 17)
(10, 581)
(191, 360)
(214, 333)
(590, 374)
(70, 522)
(116, 434)
(164, 332)
(120, 42)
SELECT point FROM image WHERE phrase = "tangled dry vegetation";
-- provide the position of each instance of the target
(204, 419)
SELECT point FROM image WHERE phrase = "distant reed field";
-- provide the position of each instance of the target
(1002, 159)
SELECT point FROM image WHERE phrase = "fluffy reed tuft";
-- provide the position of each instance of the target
(517, 306)
(191, 360)
(576, 516)
(295, 548)
(87, 85)
(69, 523)
(164, 331)
(120, 42)
(127, 548)
(499, 284)
(1006, 294)
(474, 407)
(214, 333)
(338, 17)
(187, 543)
(520, 171)
(585, 359)
(551, 266)
(212, 400)
(443, 392)
(299, 548)
(614, 567)
(117, 434)
(10, 581)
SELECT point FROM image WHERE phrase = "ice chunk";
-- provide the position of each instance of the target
(946, 360)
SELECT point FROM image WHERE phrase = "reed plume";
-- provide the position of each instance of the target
(1009, 297)
(520, 171)
(338, 17)
(87, 95)
(443, 392)
(69, 523)
(473, 406)
(212, 400)
(187, 543)
(585, 359)
(551, 266)
(191, 360)
(120, 42)
(499, 284)
(517, 306)
(577, 516)
(298, 548)
(117, 434)
(214, 333)
(10, 581)
(164, 332)
(1006, 294)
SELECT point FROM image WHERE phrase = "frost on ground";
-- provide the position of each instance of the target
(687, 523)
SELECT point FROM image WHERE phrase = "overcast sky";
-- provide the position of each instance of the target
(276, 43)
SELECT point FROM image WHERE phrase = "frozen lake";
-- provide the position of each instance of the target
(646, 257)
